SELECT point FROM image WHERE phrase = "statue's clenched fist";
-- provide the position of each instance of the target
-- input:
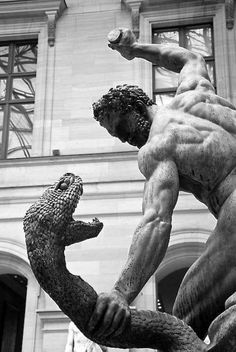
(122, 40)
(111, 315)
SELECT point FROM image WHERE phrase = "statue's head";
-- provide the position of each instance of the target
(123, 111)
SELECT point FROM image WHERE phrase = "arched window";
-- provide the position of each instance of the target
(184, 249)
(13, 290)
(14, 265)
(167, 289)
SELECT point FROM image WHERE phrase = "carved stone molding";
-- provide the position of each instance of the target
(49, 9)
(134, 5)
(148, 5)
(53, 320)
(51, 15)
(229, 13)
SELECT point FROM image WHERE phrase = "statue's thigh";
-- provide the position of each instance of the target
(212, 278)
(225, 231)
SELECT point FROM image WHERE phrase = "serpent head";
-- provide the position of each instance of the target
(57, 204)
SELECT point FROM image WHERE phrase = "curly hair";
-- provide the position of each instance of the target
(124, 98)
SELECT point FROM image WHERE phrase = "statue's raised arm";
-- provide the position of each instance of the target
(191, 66)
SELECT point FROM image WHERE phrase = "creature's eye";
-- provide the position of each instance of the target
(63, 184)
(65, 181)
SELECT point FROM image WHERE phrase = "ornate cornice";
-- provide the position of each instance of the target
(134, 5)
(148, 5)
(229, 13)
(15, 8)
(51, 10)
(52, 17)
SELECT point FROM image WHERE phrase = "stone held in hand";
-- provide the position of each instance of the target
(115, 36)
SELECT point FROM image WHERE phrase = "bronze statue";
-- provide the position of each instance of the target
(49, 227)
(188, 145)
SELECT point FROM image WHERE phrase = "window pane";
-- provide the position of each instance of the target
(164, 78)
(23, 88)
(21, 117)
(164, 98)
(4, 53)
(210, 69)
(25, 58)
(199, 40)
(170, 37)
(20, 130)
(1, 125)
(3, 83)
(1, 116)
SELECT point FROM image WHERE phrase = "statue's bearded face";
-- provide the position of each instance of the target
(125, 111)
(128, 127)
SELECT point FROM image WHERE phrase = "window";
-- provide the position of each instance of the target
(13, 289)
(195, 38)
(17, 94)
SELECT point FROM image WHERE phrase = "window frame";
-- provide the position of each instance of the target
(10, 75)
(38, 22)
(182, 43)
(177, 15)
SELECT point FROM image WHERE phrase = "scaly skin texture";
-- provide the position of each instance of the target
(49, 227)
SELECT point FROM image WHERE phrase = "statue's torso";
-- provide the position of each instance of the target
(198, 132)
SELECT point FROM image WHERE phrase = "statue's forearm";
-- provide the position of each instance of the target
(129, 282)
(147, 251)
(172, 58)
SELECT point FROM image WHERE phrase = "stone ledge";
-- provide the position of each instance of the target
(67, 159)
(48, 11)
(22, 8)
(53, 320)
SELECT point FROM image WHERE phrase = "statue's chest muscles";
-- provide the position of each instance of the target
(157, 149)
(202, 151)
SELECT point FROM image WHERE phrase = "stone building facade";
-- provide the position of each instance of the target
(74, 68)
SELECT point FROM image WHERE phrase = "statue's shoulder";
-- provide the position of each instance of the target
(186, 100)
